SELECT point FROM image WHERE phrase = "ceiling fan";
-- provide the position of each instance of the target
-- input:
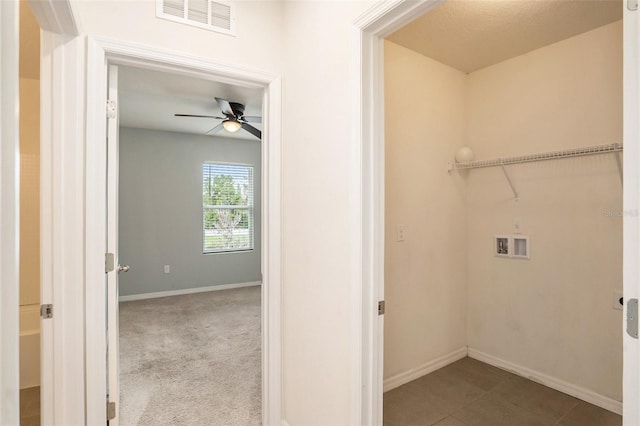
(233, 120)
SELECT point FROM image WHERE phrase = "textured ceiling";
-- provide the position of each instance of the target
(149, 100)
(472, 34)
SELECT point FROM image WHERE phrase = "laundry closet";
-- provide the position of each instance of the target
(511, 254)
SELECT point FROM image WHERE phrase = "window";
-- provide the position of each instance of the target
(227, 207)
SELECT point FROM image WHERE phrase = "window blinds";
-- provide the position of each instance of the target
(227, 207)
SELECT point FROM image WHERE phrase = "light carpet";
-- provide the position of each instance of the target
(191, 359)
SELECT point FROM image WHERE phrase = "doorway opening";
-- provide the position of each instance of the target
(29, 305)
(104, 56)
(450, 229)
(189, 228)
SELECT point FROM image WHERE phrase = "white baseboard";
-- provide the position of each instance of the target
(186, 291)
(549, 381)
(426, 368)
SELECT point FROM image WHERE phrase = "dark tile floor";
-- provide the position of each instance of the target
(472, 393)
(30, 406)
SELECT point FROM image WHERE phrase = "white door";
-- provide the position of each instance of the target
(113, 385)
(631, 262)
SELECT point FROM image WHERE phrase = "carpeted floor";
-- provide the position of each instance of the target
(192, 359)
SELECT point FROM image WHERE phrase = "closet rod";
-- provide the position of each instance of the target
(576, 152)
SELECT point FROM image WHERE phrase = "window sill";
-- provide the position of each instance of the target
(229, 252)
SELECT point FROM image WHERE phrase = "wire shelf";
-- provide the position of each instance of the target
(555, 155)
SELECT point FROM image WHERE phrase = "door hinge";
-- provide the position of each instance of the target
(381, 307)
(109, 262)
(46, 311)
(111, 410)
(112, 109)
(632, 318)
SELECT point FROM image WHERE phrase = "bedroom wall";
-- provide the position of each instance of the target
(425, 275)
(553, 313)
(160, 212)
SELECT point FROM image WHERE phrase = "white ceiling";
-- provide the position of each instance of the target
(472, 34)
(149, 99)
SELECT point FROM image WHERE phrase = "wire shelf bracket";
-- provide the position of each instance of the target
(613, 148)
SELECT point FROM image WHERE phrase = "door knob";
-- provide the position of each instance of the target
(124, 268)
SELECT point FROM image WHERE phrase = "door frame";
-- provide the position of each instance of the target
(56, 18)
(631, 206)
(100, 53)
(370, 29)
(9, 213)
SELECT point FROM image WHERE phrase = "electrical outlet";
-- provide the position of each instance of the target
(617, 300)
(400, 233)
(167, 269)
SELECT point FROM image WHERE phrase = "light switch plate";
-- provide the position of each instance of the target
(517, 225)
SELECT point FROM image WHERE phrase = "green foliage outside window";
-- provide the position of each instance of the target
(227, 228)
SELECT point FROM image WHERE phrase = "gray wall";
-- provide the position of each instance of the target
(160, 211)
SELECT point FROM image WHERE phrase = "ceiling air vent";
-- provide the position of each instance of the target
(218, 15)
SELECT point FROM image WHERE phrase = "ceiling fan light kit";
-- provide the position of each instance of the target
(231, 126)
(233, 120)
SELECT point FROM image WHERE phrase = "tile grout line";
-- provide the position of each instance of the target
(567, 413)
(477, 398)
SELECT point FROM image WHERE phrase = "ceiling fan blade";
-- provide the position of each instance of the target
(252, 119)
(255, 132)
(201, 116)
(215, 129)
(225, 107)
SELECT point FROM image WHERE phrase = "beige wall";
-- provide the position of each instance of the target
(29, 198)
(425, 275)
(29, 157)
(257, 44)
(553, 313)
(319, 256)
(29, 191)
(308, 44)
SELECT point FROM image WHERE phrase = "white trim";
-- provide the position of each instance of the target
(368, 35)
(113, 317)
(631, 202)
(62, 235)
(46, 226)
(9, 213)
(550, 381)
(426, 368)
(100, 51)
(56, 16)
(96, 231)
(193, 290)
